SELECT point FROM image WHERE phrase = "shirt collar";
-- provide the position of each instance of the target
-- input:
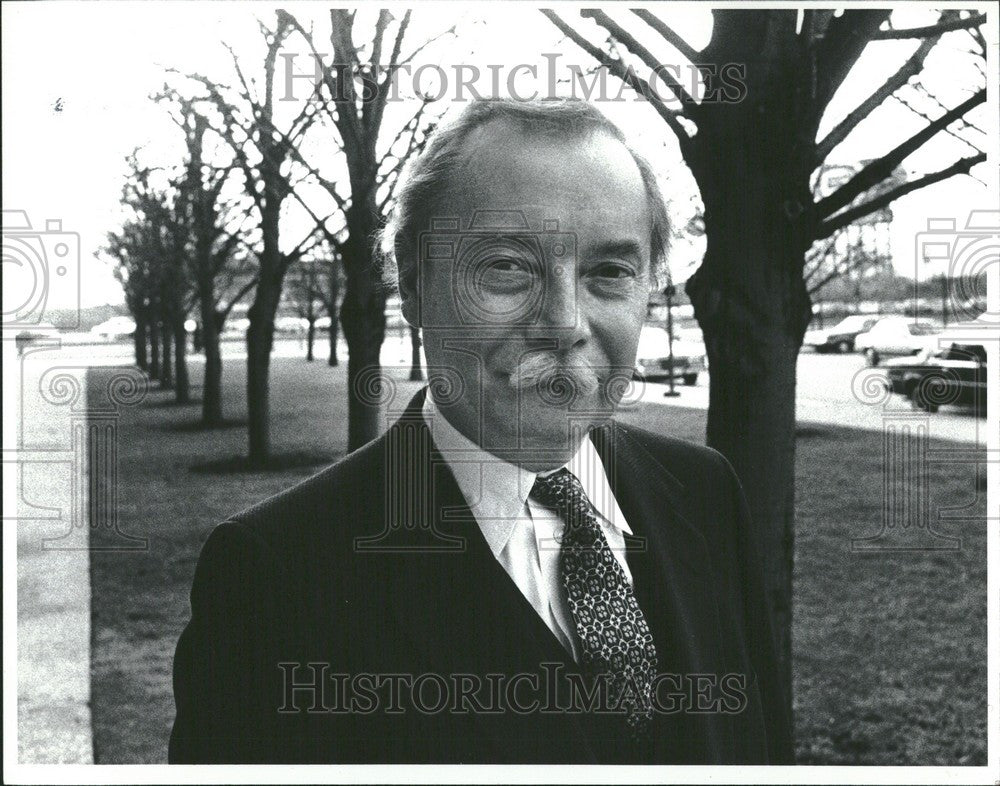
(496, 490)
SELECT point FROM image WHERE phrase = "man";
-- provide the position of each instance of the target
(507, 575)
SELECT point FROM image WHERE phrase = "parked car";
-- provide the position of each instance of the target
(952, 374)
(294, 325)
(896, 336)
(114, 328)
(839, 338)
(35, 333)
(236, 327)
(653, 358)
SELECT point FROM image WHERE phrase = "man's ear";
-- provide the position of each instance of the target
(410, 300)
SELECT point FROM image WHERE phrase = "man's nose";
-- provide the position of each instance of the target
(562, 314)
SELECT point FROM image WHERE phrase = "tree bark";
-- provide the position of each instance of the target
(260, 337)
(333, 310)
(154, 349)
(260, 340)
(211, 395)
(310, 332)
(751, 301)
(167, 360)
(140, 338)
(416, 367)
(363, 320)
(182, 385)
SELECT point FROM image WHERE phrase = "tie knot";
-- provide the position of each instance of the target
(560, 490)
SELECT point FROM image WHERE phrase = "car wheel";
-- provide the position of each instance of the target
(919, 401)
(690, 379)
(843, 347)
(871, 357)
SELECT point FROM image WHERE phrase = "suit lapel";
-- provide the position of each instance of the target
(458, 608)
(671, 566)
(460, 612)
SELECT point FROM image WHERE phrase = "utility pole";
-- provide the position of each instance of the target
(670, 291)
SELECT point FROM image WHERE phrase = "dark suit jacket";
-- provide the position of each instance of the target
(376, 567)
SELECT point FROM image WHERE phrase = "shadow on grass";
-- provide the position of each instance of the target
(279, 462)
(825, 432)
(196, 426)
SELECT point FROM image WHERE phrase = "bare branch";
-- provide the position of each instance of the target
(930, 30)
(909, 69)
(242, 293)
(842, 43)
(947, 131)
(393, 67)
(667, 33)
(618, 69)
(625, 38)
(960, 167)
(882, 168)
(247, 91)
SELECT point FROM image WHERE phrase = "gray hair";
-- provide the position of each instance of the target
(427, 176)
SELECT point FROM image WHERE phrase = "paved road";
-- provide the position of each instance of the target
(842, 390)
(51, 509)
(832, 389)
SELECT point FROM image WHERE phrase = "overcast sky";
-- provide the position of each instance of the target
(77, 76)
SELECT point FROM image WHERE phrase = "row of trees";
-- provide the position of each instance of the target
(755, 159)
(214, 229)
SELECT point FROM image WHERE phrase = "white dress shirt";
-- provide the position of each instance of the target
(524, 535)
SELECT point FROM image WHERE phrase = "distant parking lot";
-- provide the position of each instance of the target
(827, 385)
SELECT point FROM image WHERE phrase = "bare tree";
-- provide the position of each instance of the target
(221, 267)
(152, 249)
(330, 295)
(306, 292)
(357, 116)
(134, 271)
(265, 155)
(751, 143)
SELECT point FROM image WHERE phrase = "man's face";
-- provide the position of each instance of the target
(536, 296)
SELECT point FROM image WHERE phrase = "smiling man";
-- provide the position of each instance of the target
(508, 574)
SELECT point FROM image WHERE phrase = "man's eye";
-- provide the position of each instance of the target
(505, 265)
(614, 270)
(503, 274)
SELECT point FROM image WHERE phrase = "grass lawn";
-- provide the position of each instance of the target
(890, 648)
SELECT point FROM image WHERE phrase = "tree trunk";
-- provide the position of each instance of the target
(260, 339)
(211, 394)
(334, 313)
(182, 386)
(364, 329)
(310, 331)
(416, 367)
(139, 338)
(753, 307)
(166, 364)
(334, 337)
(363, 320)
(154, 349)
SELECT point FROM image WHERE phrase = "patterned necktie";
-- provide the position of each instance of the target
(614, 635)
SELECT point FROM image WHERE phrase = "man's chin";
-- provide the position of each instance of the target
(540, 426)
